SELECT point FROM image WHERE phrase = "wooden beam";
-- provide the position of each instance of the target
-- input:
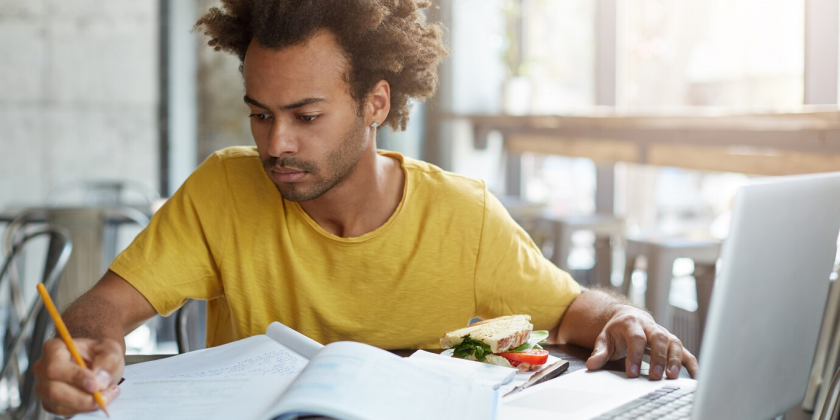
(598, 150)
(755, 162)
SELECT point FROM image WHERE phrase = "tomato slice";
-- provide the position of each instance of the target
(533, 357)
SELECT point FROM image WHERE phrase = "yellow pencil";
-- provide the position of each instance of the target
(65, 335)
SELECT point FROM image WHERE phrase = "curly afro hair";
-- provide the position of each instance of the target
(382, 40)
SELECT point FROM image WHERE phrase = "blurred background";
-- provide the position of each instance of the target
(616, 132)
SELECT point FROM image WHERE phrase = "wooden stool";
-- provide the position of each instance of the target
(526, 214)
(661, 253)
(609, 232)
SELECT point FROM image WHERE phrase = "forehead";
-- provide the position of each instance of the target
(316, 66)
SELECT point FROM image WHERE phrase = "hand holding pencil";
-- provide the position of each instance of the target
(65, 383)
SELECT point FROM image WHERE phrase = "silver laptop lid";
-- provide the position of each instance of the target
(768, 299)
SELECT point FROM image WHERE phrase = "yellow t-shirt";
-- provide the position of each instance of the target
(449, 252)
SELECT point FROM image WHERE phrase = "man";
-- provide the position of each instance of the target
(317, 229)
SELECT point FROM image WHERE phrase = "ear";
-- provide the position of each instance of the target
(378, 103)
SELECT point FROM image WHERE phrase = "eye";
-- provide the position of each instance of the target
(309, 118)
(261, 117)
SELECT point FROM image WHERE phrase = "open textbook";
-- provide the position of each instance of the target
(283, 375)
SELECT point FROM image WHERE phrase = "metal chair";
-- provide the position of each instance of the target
(23, 344)
(188, 326)
(609, 233)
(102, 192)
(829, 408)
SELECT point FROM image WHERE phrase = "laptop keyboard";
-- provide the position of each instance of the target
(668, 402)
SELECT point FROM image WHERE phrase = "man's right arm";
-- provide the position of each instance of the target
(98, 322)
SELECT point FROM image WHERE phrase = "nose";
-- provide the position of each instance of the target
(281, 140)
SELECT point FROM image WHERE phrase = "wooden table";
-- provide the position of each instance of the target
(805, 140)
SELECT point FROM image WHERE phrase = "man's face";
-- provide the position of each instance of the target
(305, 123)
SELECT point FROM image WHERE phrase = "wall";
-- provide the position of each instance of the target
(78, 94)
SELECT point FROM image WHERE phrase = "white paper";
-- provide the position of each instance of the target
(294, 340)
(254, 356)
(481, 373)
(519, 378)
(522, 377)
(354, 381)
(579, 395)
(194, 399)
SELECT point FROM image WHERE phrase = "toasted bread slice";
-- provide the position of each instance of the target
(501, 334)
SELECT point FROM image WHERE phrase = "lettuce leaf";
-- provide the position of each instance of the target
(470, 347)
(534, 341)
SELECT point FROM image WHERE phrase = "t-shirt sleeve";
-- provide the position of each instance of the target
(513, 277)
(177, 257)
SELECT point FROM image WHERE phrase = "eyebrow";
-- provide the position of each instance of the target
(298, 104)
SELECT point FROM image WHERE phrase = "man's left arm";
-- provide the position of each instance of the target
(612, 327)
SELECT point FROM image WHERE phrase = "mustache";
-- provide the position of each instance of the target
(289, 162)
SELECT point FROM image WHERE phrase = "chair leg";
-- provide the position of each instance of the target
(629, 268)
(660, 272)
(562, 247)
(603, 262)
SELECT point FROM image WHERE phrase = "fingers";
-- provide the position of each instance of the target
(602, 353)
(629, 332)
(56, 364)
(675, 354)
(690, 363)
(65, 388)
(64, 397)
(108, 362)
(659, 343)
(636, 343)
(70, 408)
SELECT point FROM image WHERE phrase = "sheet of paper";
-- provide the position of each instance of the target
(194, 399)
(519, 378)
(353, 380)
(292, 339)
(254, 356)
(481, 373)
(579, 395)
(522, 377)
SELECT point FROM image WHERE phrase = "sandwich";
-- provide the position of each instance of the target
(504, 341)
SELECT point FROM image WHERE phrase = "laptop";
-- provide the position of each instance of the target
(762, 328)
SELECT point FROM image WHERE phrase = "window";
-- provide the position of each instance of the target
(746, 55)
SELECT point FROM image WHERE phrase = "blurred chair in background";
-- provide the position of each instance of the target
(125, 200)
(25, 335)
(101, 193)
(95, 211)
(189, 326)
(527, 215)
(609, 234)
(96, 214)
(826, 366)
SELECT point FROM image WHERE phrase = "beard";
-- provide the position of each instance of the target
(339, 164)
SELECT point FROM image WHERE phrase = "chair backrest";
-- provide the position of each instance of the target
(31, 330)
(829, 405)
(101, 192)
(189, 325)
(12, 232)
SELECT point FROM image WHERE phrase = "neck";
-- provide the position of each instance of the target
(363, 201)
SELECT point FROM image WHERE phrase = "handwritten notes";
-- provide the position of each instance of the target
(252, 357)
(194, 399)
